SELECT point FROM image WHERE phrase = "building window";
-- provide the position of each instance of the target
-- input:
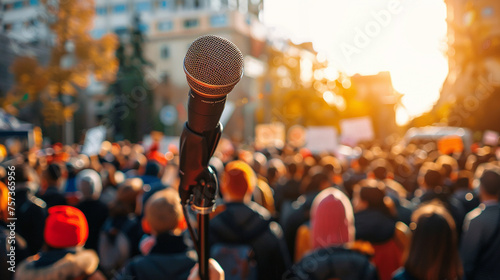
(34, 2)
(18, 5)
(165, 4)
(97, 33)
(143, 7)
(101, 10)
(165, 52)
(143, 27)
(120, 9)
(218, 20)
(487, 12)
(121, 30)
(191, 23)
(165, 25)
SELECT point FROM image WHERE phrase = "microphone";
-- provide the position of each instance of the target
(213, 66)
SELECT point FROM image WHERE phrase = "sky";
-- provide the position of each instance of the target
(405, 37)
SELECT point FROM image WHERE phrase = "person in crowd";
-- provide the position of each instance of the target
(7, 242)
(89, 185)
(375, 222)
(289, 189)
(381, 170)
(332, 237)
(65, 233)
(171, 256)
(247, 223)
(433, 253)
(449, 170)
(358, 171)
(430, 182)
(263, 194)
(121, 233)
(464, 192)
(299, 215)
(275, 172)
(480, 244)
(30, 211)
(52, 194)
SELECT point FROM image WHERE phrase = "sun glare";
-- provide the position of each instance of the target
(404, 37)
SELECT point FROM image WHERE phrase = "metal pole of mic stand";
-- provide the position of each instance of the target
(203, 220)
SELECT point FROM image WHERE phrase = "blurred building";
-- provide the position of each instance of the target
(22, 20)
(21, 34)
(377, 92)
(169, 27)
(468, 96)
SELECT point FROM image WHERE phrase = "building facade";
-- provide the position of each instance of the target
(472, 85)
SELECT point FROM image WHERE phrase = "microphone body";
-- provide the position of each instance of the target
(213, 66)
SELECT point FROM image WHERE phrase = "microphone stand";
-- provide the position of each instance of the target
(199, 186)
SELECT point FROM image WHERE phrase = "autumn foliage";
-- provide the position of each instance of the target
(75, 56)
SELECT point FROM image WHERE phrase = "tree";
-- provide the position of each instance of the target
(131, 109)
(75, 55)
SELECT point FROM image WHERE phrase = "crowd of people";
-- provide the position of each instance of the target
(390, 212)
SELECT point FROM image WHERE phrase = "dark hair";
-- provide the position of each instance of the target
(433, 249)
(373, 193)
(315, 180)
(380, 167)
(432, 178)
(490, 182)
(54, 172)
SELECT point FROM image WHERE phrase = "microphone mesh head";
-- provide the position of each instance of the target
(213, 66)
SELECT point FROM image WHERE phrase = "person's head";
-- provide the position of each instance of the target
(464, 179)
(433, 251)
(449, 167)
(152, 169)
(429, 176)
(238, 182)
(163, 212)
(370, 194)
(126, 197)
(65, 227)
(489, 184)
(380, 169)
(332, 219)
(316, 181)
(275, 170)
(89, 184)
(259, 162)
(52, 174)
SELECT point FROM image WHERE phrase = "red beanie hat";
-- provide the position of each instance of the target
(332, 219)
(65, 227)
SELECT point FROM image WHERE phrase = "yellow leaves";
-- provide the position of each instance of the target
(53, 112)
(69, 68)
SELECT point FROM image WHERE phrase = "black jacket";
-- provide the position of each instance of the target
(30, 223)
(52, 196)
(373, 226)
(237, 221)
(96, 213)
(333, 263)
(298, 216)
(170, 258)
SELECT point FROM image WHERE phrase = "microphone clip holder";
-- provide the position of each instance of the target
(198, 186)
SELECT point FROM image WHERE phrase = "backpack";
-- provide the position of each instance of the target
(238, 260)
